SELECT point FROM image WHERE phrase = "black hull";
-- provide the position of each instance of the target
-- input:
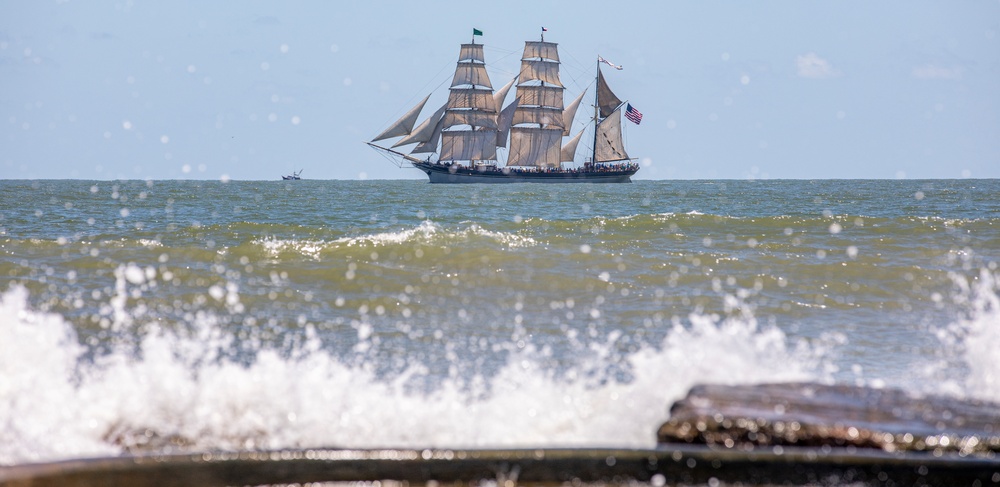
(454, 174)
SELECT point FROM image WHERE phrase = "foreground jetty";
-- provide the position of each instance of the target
(788, 434)
(832, 416)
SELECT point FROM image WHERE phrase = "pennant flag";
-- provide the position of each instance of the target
(609, 63)
(476, 32)
(632, 114)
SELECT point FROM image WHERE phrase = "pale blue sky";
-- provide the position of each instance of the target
(729, 89)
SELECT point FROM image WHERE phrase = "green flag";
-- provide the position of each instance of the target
(477, 32)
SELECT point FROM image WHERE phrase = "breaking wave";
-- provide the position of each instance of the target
(177, 393)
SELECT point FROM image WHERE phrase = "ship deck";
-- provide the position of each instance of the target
(454, 173)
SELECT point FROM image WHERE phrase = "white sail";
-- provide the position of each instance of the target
(471, 110)
(404, 125)
(538, 119)
(609, 145)
(468, 145)
(543, 96)
(533, 146)
(547, 72)
(475, 118)
(424, 131)
(431, 145)
(570, 113)
(471, 74)
(569, 150)
(541, 50)
(549, 117)
(505, 120)
(606, 99)
(499, 96)
(472, 52)
(471, 98)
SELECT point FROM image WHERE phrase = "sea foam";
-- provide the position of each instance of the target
(177, 393)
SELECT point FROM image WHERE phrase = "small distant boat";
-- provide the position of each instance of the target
(462, 137)
(293, 177)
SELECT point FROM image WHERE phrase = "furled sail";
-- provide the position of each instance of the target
(609, 145)
(570, 113)
(404, 125)
(606, 99)
(424, 131)
(569, 150)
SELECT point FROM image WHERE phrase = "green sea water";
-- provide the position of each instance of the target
(249, 314)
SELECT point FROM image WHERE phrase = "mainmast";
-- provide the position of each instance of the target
(537, 127)
(597, 111)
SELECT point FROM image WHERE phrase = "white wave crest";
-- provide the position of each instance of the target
(975, 337)
(177, 394)
(426, 232)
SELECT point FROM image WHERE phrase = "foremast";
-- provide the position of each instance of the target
(464, 128)
(469, 130)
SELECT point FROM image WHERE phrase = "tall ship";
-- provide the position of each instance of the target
(471, 139)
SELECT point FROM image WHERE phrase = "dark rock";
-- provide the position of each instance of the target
(816, 415)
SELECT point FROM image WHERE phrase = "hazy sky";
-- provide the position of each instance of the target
(729, 89)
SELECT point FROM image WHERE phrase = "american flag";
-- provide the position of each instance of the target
(632, 114)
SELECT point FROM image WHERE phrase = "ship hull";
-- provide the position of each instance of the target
(453, 174)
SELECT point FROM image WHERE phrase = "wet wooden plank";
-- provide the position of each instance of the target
(684, 464)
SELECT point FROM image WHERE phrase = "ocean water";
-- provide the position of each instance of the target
(174, 316)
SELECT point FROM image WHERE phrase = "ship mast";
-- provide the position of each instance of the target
(597, 113)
